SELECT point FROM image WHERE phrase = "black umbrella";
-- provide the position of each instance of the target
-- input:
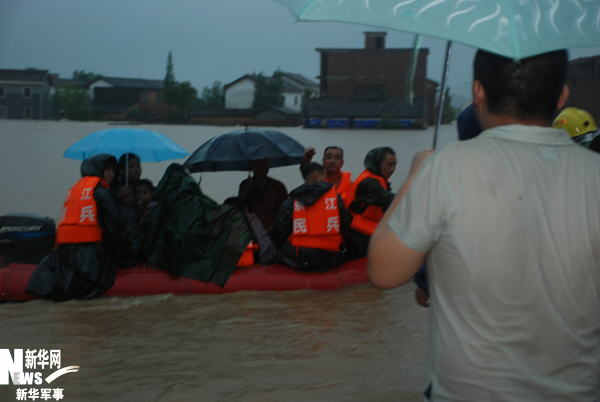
(234, 151)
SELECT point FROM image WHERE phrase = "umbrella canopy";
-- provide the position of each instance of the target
(148, 145)
(234, 151)
(511, 28)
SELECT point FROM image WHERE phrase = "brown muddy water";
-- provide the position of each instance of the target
(355, 344)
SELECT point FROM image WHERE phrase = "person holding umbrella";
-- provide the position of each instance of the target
(261, 194)
(510, 228)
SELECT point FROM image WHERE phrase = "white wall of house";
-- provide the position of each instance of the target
(292, 100)
(240, 95)
(98, 84)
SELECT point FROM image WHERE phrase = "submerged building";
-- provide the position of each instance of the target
(369, 87)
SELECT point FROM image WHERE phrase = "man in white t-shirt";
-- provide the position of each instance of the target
(510, 225)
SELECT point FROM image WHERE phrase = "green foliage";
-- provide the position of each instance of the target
(179, 96)
(170, 75)
(213, 98)
(85, 76)
(448, 112)
(72, 103)
(269, 91)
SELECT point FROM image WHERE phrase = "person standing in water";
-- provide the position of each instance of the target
(514, 292)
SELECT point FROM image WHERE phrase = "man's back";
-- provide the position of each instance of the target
(514, 220)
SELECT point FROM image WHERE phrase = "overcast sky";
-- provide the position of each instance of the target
(211, 40)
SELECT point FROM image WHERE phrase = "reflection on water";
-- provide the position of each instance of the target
(357, 344)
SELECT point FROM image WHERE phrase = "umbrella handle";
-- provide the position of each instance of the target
(440, 105)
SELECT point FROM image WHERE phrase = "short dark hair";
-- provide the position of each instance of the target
(527, 88)
(311, 167)
(333, 147)
(126, 157)
(145, 183)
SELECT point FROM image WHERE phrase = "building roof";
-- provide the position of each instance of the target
(300, 79)
(243, 77)
(292, 82)
(26, 75)
(137, 83)
(66, 82)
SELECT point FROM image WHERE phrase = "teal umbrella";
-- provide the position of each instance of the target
(512, 28)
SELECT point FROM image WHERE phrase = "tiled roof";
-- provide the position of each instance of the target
(29, 74)
(300, 79)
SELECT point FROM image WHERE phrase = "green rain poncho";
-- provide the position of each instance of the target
(190, 235)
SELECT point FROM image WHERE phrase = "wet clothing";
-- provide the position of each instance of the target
(368, 201)
(79, 269)
(317, 225)
(369, 198)
(315, 198)
(188, 234)
(511, 227)
(80, 221)
(264, 200)
(344, 186)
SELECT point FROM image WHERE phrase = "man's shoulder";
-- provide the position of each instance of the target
(274, 182)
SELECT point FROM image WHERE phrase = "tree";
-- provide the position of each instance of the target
(84, 76)
(269, 91)
(72, 103)
(213, 98)
(179, 96)
(184, 95)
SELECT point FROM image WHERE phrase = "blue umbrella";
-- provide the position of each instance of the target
(234, 151)
(148, 145)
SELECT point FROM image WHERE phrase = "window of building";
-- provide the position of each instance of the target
(26, 92)
(2, 92)
(296, 100)
(2, 112)
(27, 113)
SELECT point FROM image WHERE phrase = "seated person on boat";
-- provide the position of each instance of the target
(312, 227)
(333, 161)
(370, 196)
(89, 238)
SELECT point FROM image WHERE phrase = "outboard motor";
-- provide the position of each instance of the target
(25, 238)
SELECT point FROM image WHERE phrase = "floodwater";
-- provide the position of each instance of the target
(355, 344)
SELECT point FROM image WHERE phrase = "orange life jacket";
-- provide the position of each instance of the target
(247, 257)
(80, 219)
(317, 225)
(344, 186)
(366, 222)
